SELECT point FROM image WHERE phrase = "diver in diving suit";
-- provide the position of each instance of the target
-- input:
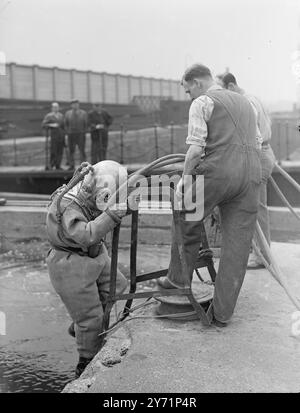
(79, 266)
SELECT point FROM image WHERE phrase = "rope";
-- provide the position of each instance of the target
(272, 265)
(283, 198)
(288, 177)
(120, 322)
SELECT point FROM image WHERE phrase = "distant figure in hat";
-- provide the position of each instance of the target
(76, 123)
(99, 122)
(53, 123)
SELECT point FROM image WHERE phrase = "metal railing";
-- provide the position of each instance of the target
(160, 141)
(125, 146)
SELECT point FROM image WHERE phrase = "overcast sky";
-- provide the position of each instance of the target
(159, 38)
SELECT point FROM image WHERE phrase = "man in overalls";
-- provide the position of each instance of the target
(78, 262)
(222, 148)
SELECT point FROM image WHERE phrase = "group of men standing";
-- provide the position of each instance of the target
(75, 123)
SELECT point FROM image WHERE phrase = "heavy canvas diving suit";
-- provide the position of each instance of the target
(80, 280)
(232, 174)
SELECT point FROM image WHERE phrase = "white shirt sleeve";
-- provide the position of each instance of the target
(200, 112)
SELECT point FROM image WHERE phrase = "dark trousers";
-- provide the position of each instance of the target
(76, 139)
(231, 183)
(99, 145)
(57, 142)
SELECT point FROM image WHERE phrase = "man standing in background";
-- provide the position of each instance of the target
(54, 124)
(267, 161)
(76, 122)
(99, 122)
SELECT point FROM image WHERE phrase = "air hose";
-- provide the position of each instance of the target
(146, 171)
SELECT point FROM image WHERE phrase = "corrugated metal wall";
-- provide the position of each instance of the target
(44, 92)
(96, 87)
(62, 85)
(23, 82)
(44, 84)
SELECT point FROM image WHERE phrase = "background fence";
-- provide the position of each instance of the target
(134, 102)
(142, 145)
(47, 84)
(125, 146)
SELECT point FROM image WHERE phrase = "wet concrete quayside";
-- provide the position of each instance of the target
(257, 352)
